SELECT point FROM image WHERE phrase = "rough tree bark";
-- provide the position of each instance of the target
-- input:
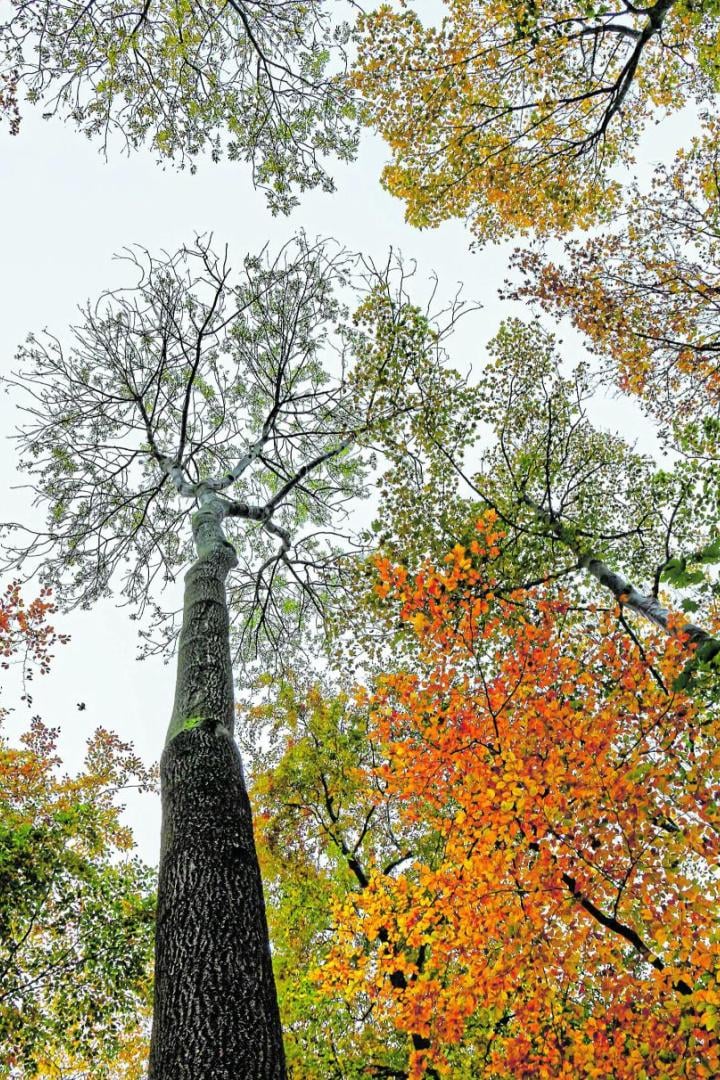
(216, 1014)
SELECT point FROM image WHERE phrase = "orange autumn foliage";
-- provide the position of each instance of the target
(559, 917)
(25, 634)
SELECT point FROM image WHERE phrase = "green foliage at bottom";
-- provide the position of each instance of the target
(76, 915)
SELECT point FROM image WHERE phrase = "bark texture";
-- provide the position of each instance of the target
(216, 1015)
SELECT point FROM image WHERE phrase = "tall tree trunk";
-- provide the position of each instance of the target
(216, 1014)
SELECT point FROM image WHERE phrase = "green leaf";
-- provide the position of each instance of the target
(710, 553)
(672, 568)
(707, 650)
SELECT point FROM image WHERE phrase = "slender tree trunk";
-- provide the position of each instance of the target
(216, 1014)
(643, 604)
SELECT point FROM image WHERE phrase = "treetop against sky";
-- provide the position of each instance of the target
(260, 82)
(260, 389)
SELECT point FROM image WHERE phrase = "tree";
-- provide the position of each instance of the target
(26, 636)
(261, 82)
(556, 914)
(75, 908)
(321, 827)
(9, 108)
(515, 114)
(567, 504)
(645, 294)
(194, 411)
(511, 838)
(578, 504)
(76, 915)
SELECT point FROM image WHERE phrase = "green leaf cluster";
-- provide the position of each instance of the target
(76, 912)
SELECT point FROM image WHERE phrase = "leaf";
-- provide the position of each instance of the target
(492, 116)
(523, 754)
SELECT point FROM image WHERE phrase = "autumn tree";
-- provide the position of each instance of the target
(259, 82)
(592, 565)
(512, 115)
(564, 506)
(579, 504)
(510, 836)
(197, 419)
(76, 917)
(645, 292)
(26, 634)
(515, 114)
(76, 908)
(555, 913)
(567, 505)
(321, 827)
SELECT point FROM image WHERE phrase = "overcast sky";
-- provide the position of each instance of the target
(65, 211)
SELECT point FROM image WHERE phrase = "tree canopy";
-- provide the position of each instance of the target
(515, 114)
(543, 781)
(191, 381)
(76, 907)
(486, 795)
(260, 82)
(76, 915)
(473, 850)
(645, 292)
(510, 833)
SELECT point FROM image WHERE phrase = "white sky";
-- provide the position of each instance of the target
(65, 211)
